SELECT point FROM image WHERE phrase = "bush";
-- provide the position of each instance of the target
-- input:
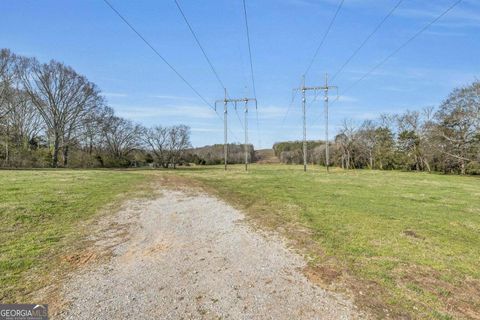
(473, 168)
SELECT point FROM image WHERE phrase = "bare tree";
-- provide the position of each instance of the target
(22, 124)
(157, 139)
(458, 125)
(7, 79)
(121, 137)
(168, 144)
(19, 120)
(90, 104)
(92, 128)
(178, 141)
(23, 119)
(346, 140)
(62, 97)
(368, 138)
(410, 138)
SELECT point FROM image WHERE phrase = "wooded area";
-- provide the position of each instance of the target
(446, 139)
(211, 155)
(51, 116)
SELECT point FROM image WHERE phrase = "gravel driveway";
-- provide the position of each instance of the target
(190, 256)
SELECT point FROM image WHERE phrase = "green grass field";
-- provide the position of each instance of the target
(401, 243)
(408, 241)
(42, 213)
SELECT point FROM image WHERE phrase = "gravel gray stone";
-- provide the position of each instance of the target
(190, 256)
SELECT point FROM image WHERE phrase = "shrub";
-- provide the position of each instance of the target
(473, 168)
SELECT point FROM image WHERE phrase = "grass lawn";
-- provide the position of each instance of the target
(404, 243)
(42, 213)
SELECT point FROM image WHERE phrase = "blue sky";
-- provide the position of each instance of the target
(88, 36)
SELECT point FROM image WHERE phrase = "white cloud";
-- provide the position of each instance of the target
(465, 14)
(205, 130)
(177, 111)
(114, 94)
(170, 97)
(346, 99)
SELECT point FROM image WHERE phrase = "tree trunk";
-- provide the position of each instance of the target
(427, 165)
(56, 147)
(65, 156)
(6, 152)
(90, 146)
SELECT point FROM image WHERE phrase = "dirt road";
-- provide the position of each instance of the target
(190, 256)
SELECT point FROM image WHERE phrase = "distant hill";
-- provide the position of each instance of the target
(265, 156)
(291, 152)
(214, 154)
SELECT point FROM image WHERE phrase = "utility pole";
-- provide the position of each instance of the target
(304, 89)
(226, 101)
(225, 137)
(246, 135)
(245, 146)
(326, 88)
(304, 102)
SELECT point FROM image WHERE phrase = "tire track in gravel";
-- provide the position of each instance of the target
(190, 256)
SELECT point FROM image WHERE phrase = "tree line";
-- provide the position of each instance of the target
(51, 116)
(445, 139)
(213, 155)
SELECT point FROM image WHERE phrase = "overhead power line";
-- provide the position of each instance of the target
(251, 68)
(406, 43)
(158, 54)
(294, 94)
(238, 118)
(290, 105)
(390, 13)
(403, 45)
(164, 60)
(249, 48)
(212, 68)
(322, 41)
(200, 45)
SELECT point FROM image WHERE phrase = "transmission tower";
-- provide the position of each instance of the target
(226, 101)
(304, 90)
(326, 88)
